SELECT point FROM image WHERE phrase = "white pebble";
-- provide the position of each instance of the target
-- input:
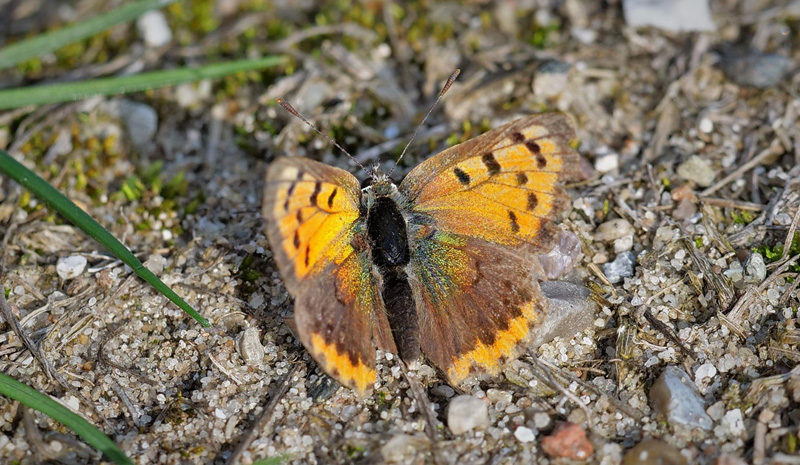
(70, 267)
(154, 29)
(524, 434)
(606, 163)
(466, 413)
(706, 125)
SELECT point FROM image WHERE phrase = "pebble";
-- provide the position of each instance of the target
(612, 230)
(570, 312)
(568, 440)
(760, 70)
(551, 78)
(156, 264)
(400, 447)
(698, 170)
(654, 451)
(563, 257)
(620, 268)
(733, 422)
(524, 434)
(756, 268)
(705, 371)
(153, 29)
(70, 267)
(466, 413)
(726, 459)
(670, 15)
(675, 396)
(141, 122)
(706, 126)
(249, 346)
(541, 420)
(606, 163)
(443, 390)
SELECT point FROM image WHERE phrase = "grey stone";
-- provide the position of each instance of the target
(571, 311)
(466, 413)
(249, 346)
(141, 122)
(675, 396)
(400, 447)
(612, 230)
(670, 15)
(562, 258)
(760, 70)
(621, 267)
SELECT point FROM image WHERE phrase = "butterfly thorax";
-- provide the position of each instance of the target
(388, 245)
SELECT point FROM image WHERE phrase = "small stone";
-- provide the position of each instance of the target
(570, 312)
(153, 29)
(568, 440)
(551, 78)
(760, 70)
(654, 451)
(684, 192)
(623, 244)
(705, 371)
(400, 447)
(756, 268)
(733, 422)
(612, 230)
(685, 210)
(443, 390)
(726, 459)
(698, 170)
(524, 434)
(622, 267)
(156, 263)
(563, 257)
(670, 15)
(542, 420)
(675, 396)
(606, 163)
(141, 122)
(706, 126)
(466, 413)
(70, 267)
(249, 346)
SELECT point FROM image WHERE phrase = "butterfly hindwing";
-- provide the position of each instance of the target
(477, 302)
(501, 186)
(312, 213)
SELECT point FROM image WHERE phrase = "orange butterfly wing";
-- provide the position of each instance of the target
(479, 213)
(312, 211)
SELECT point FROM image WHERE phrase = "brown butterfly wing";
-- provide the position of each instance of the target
(480, 212)
(312, 213)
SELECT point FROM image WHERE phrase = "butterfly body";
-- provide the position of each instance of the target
(442, 265)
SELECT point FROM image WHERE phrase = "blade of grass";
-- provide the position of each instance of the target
(36, 400)
(58, 202)
(49, 41)
(63, 92)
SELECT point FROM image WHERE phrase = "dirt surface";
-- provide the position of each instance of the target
(686, 222)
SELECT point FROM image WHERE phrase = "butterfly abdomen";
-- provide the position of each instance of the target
(388, 241)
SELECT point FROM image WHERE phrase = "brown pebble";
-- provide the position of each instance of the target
(683, 192)
(654, 452)
(568, 440)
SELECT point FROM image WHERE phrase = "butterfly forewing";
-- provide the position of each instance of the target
(312, 213)
(501, 186)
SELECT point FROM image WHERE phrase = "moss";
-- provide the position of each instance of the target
(742, 217)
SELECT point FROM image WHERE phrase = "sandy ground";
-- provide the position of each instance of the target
(690, 142)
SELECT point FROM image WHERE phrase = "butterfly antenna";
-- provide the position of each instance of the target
(288, 107)
(445, 88)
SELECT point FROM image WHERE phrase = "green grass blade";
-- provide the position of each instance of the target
(49, 41)
(36, 400)
(58, 202)
(63, 92)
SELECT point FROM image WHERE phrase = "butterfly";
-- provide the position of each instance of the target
(443, 264)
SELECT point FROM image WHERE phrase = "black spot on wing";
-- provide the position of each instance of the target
(463, 177)
(533, 201)
(541, 161)
(288, 196)
(332, 196)
(299, 216)
(296, 239)
(522, 179)
(315, 194)
(308, 253)
(491, 163)
(513, 218)
(517, 137)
